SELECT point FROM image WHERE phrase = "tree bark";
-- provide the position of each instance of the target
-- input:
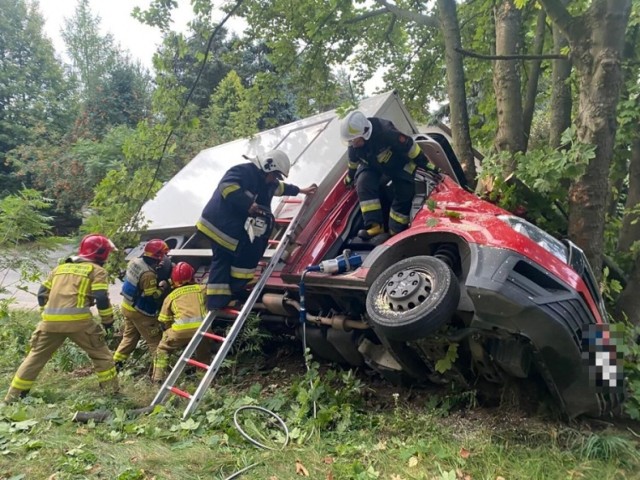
(629, 302)
(506, 81)
(561, 101)
(534, 75)
(630, 231)
(596, 41)
(456, 89)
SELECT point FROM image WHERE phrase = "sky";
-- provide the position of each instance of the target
(139, 39)
(115, 18)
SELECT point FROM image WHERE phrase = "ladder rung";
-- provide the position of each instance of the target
(180, 393)
(274, 242)
(292, 200)
(198, 364)
(213, 336)
(233, 311)
(283, 221)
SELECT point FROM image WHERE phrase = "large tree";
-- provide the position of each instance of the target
(92, 54)
(506, 80)
(34, 94)
(122, 96)
(596, 38)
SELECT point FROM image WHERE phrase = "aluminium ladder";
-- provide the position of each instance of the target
(226, 342)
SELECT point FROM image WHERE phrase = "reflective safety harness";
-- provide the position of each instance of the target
(140, 294)
(184, 308)
(75, 285)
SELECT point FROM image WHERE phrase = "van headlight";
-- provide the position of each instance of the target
(539, 236)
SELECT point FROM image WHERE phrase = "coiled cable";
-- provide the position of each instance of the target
(253, 441)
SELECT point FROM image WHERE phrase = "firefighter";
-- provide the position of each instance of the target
(65, 299)
(376, 149)
(181, 314)
(141, 301)
(238, 222)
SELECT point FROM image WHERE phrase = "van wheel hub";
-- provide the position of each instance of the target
(407, 289)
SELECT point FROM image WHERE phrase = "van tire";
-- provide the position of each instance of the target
(413, 298)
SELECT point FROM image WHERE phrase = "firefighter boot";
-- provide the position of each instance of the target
(373, 230)
(14, 394)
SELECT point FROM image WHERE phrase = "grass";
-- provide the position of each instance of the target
(365, 429)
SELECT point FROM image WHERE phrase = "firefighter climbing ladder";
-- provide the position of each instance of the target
(226, 342)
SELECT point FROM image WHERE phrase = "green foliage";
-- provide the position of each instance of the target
(231, 113)
(122, 97)
(547, 172)
(249, 343)
(92, 54)
(359, 431)
(21, 218)
(68, 174)
(324, 401)
(446, 363)
(22, 221)
(34, 95)
(15, 332)
(115, 209)
(608, 448)
(630, 349)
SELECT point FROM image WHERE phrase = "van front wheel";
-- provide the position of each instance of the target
(413, 298)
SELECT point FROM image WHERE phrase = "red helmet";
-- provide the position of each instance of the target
(96, 248)
(156, 248)
(182, 273)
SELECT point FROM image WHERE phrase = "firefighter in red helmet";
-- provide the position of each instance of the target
(141, 293)
(65, 299)
(182, 313)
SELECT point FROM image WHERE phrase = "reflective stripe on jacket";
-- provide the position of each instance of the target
(223, 217)
(184, 308)
(71, 288)
(140, 288)
(387, 150)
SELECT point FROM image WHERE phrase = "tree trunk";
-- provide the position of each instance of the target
(630, 231)
(561, 101)
(450, 28)
(629, 302)
(506, 81)
(596, 41)
(534, 75)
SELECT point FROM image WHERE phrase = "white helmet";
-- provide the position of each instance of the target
(355, 125)
(273, 161)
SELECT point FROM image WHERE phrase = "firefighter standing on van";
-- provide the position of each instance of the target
(238, 222)
(377, 148)
(141, 301)
(182, 313)
(65, 298)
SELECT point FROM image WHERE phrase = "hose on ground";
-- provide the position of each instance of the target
(253, 441)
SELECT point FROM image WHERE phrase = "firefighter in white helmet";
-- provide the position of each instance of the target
(238, 222)
(378, 149)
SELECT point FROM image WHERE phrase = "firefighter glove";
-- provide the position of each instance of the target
(348, 181)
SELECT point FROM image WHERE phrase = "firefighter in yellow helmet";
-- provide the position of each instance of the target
(66, 296)
(142, 298)
(182, 313)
